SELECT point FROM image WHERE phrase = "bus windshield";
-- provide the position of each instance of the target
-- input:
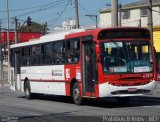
(126, 57)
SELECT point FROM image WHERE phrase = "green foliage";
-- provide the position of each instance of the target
(34, 27)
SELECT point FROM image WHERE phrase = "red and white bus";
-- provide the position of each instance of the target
(98, 63)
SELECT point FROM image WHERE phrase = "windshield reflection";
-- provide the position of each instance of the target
(126, 57)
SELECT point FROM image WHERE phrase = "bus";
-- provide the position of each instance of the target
(97, 63)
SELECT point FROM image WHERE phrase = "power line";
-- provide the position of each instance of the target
(91, 15)
(42, 8)
(57, 3)
(52, 15)
(61, 13)
(84, 9)
(21, 9)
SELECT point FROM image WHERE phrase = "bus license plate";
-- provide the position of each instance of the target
(132, 89)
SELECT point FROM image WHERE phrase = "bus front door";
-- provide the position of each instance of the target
(88, 69)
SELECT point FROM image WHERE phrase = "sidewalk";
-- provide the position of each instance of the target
(5, 82)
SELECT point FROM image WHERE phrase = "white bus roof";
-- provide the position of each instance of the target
(47, 38)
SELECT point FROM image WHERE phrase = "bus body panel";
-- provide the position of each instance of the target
(44, 79)
(55, 88)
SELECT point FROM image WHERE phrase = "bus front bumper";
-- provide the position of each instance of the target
(108, 90)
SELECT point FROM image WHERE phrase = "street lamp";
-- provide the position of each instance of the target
(94, 17)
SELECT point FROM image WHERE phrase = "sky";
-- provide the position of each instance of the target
(54, 12)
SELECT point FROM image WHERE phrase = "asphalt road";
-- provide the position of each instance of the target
(14, 107)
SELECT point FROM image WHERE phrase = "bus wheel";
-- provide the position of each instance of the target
(123, 100)
(27, 90)
(76, 94)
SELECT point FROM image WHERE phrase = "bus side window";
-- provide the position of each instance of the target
(72, 51)
(35, 55)
(58, 53)
(76, 50)
(46, 53)
(25, 56)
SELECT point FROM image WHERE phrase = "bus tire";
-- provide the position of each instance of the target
(123, 100)
(76, 94)
(27, 90)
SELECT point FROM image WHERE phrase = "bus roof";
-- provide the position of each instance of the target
(69, 34)
(47, 38)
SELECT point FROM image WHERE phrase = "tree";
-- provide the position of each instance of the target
(34, 27)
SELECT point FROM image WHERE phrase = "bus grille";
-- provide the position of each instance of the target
(130, 92)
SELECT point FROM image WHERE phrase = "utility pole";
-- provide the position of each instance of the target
(15, 30)
(15, 56)
(150, 19)
(8, 39)
(76, 13)
(1, 55)
(114, 10)
(45, 28)
(19, 32)
(120, 15)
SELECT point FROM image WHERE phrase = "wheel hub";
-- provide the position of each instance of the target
(76, 94)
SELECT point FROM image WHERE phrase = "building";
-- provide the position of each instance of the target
(66, 25)
(133, 14)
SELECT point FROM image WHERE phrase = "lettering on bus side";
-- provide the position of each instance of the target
(56, 72)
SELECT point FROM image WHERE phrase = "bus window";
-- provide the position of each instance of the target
(75, 48)
(58, 53)
(72, 51)
(35, 55)
(25, 55)
(46, 53)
